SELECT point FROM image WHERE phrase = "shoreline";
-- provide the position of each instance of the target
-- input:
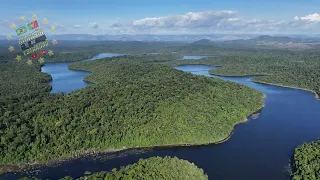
(91, 152)
(317, 96)
(292, 87)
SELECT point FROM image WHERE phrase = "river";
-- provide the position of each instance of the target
(259, 149)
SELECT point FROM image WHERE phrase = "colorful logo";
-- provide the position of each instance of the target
(33, 25)
(32, 39)
(33, 42)
(21, 30)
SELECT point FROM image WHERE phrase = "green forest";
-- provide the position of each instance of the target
(155, 168)
(132, 103)
(294, 69)
(306, 161)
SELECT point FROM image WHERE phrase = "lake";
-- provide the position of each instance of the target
(65, 80)
(196, 57)
(258, 149)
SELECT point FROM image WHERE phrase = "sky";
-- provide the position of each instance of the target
(104, 17)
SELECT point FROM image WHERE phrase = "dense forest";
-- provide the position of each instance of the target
(136, 102)
(155, 168)
(306, 161)
(122, 47)
(69, 56)
(56, 57)
(78, 50)
(287, 69)
(131, 103)
(75, 56)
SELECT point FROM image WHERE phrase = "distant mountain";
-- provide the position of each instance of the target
(267, 38)
(145, 37)
(182, 38)
(149, 37)
(203, 42)
(285, 39)
(80, 37)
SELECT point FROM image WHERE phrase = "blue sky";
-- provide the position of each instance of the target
(167, 16)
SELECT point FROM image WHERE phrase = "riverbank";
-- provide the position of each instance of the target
(92, 152)
(261, 82)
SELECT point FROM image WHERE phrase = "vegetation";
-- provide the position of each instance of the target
(306, 164)
(149, 58)
(69, 56)
(122, 47)
(155, 168)
(20, 79)
(56, 57)
(130, 104)
(287, 69)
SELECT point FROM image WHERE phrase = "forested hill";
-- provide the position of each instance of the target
(154, 168)
(306, 161)
(131, 103)
(300, 70)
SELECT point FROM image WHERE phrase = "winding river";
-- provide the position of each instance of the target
(259, 149)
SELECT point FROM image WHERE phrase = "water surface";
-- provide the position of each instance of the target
(259, 149)
(195, 57)
(65, 80)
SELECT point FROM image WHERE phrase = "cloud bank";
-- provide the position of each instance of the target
(204, 22)
(188, 20)
(224, 21)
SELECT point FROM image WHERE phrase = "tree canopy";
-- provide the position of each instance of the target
(131, 103)
(306, 161)
(155, 168)
(301, 69)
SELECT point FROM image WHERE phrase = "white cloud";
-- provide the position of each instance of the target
(206, 22)
(93, 25)
(224, 21)
(311, 17)
(76, 26)
(190, 19)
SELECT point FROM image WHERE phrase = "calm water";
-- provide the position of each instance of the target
(65, 80)
(259, 149)
(195, 57)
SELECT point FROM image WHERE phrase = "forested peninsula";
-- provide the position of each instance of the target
(298, 70)
(155, 168)
(306, 161)
(131, 103)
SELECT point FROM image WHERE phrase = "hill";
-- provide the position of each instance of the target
(267, 38)
(203, 42)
